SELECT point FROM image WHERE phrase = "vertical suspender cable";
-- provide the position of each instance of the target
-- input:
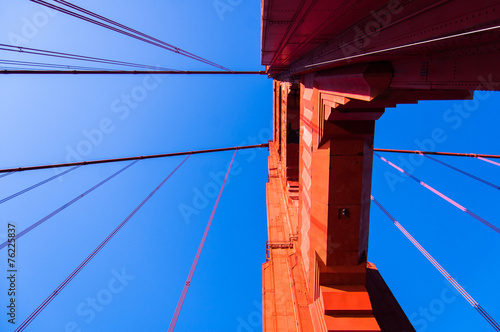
(441, 270)
(178, 308)
(75, 272)
(443, 196)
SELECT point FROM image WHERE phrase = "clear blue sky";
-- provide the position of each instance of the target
(47, 120)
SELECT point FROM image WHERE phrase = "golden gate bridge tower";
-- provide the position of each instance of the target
(336, 66)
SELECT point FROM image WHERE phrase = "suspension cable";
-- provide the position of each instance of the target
(44, 64)
(124, 30)
(178, 308)
(68, 204)
(164, 155)
(441, 270)
(133, 72)
(36, 51)
(489, 161)
(472, 155)
(75, 272)
(63, 10)
(176, 49)
(6, 174)
(8, 198)
(464, 172)
(446, 198)
(90, 13)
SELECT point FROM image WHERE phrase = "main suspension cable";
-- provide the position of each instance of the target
(441, 270)
(132, 72)
(80, 267)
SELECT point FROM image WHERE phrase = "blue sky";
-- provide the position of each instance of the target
(462, 245)
(53, 119)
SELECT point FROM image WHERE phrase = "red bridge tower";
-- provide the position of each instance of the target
(336, 66)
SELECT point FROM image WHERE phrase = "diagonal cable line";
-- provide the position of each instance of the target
(464, 172)
(6, 174)
(8, 198)
(68, 204)
(120, 28)
(443, 196)
(176, 49)
(178, 308)
(80, 267)
(454, 154)
(102, 18)
(441, 270)
(45, 65)
(65, 11)
(36, 51)
(489, 161)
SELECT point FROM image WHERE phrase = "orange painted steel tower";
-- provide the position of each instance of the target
(336, 66)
